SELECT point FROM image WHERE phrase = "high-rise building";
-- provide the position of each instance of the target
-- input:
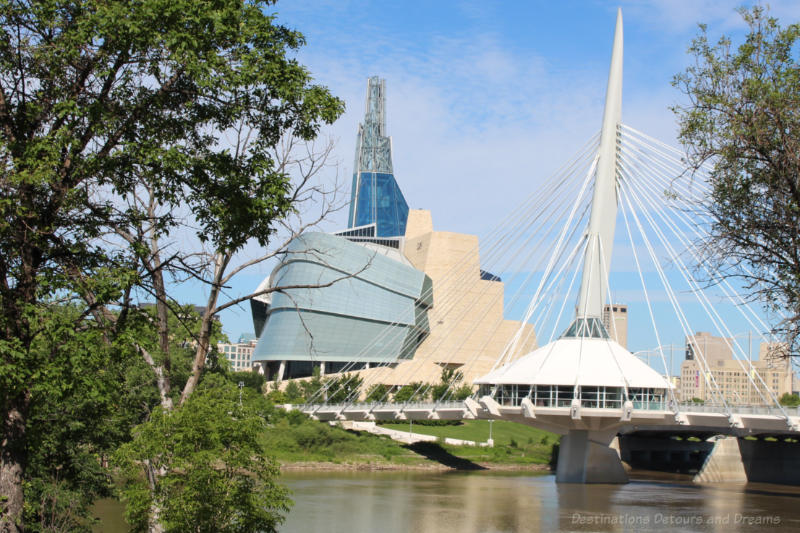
(371, 290)
(710, 372)
(239, 354)
(615, 320)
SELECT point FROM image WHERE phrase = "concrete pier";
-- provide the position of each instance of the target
(771, 461)
(724, 463)
(586, 457)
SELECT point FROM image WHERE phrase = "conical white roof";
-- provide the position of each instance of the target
(581, 361)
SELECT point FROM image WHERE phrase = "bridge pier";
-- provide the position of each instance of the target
(761, 461)
(771, 461)
(586, 457)
(723, 464)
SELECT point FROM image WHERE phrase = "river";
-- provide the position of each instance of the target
(492, 502)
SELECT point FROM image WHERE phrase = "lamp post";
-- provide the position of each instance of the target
(490, 442)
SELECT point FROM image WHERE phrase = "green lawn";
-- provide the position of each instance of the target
(297, 438)
(503, 432)
(293, 437)
(513, 443)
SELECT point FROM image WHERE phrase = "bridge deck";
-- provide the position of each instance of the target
(746, 420)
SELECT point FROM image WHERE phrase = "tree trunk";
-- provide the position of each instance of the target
(12, 467)
(221, 261)
(153, 475)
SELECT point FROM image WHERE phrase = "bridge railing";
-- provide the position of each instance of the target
(740, 409)
(379, 405)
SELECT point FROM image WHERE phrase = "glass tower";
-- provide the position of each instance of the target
(375, 197)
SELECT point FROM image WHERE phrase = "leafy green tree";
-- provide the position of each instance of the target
(80, 411)
(790, 400)
(210, 453)
(118, 133)
(312, 387)
(462, 393)
(378, 392)
(446, 387)
(293, 392)
(252, 380)
(742, 120)
(344, 387)
(275, 395)
(413, 392)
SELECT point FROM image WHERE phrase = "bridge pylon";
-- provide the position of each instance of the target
(585, 371)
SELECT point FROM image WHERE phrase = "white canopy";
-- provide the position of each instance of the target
(578, 361)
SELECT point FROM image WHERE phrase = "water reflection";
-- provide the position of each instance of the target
(488, 502)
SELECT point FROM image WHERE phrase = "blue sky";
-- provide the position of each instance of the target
(486, 99)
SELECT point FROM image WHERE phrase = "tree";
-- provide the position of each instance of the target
(378, 392)
(101, 102)
(211, 452)
(292, 392)
(312, 388)
(80, 412)
(447, 386)
(413, 392)
(253, 380)
(742, 120)
(343, 388)
(790, 400)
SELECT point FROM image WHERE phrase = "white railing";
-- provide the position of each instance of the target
(379, 405)
(448, 405)
(740, 409)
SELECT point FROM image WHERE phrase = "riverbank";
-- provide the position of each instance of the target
(299, 443)
(302, 466)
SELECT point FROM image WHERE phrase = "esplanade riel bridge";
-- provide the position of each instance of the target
(582, 383)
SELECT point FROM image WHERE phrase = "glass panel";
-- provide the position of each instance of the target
(587, 328)
(379, 201)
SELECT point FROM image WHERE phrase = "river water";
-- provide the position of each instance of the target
(492, 502)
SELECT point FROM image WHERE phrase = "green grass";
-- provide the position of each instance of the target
(503, 432)
(298, 438)
(513, 443)
(293, 437)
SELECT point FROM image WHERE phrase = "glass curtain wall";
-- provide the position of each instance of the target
(591, 397)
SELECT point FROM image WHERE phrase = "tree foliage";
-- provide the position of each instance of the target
(123, 125)
(81, 409)
(448, 388)
(790, 400)
(217, 475)
(742, 120)
(378, 392)
(417, 391)
(344, 387)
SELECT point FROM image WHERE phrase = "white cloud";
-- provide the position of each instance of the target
(684, 15)
(477, 124)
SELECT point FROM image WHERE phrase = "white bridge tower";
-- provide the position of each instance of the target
(584, 385)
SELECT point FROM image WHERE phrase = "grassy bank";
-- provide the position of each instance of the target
(513, 443)
(294, 438)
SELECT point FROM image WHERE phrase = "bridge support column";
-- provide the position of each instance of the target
(767, 461)
(585, 457)
(724, 463)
